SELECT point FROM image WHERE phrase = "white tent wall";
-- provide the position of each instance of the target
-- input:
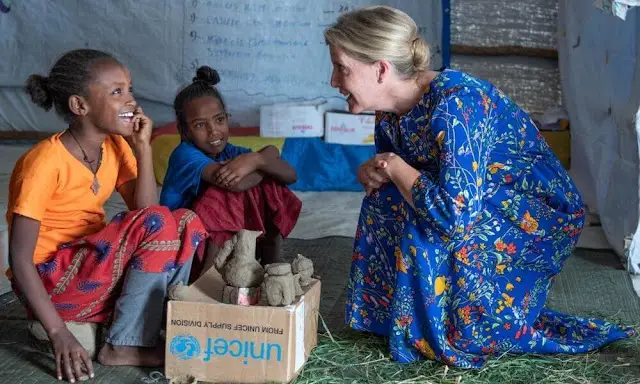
(262, 49)
(533, 82)
(35, 32)
(600, 72)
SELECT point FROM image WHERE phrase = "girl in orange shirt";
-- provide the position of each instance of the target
(67, 264)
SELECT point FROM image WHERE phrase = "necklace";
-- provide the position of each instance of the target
(95, 186)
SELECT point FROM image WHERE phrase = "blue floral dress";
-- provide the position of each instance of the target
(465, 274)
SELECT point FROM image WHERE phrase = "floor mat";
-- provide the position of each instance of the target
(593, 283)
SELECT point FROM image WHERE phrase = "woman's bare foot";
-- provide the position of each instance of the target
(132, 356)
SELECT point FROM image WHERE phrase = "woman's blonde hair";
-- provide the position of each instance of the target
(377, 33)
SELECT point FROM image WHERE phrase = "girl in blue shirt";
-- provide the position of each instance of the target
(229, 187)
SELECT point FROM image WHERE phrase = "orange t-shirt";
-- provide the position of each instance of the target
(50, 185)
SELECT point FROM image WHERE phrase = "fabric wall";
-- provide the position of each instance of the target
(600, 73)
(512, 44)
(263, 50)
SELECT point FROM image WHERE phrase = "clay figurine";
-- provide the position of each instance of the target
(237, 263)
(180, 292)
(278, 286)
(302, 269)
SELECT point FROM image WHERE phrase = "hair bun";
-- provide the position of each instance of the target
(38, 89)
(208, 75)
(420, 52)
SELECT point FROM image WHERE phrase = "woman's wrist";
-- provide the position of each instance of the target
(404, 174)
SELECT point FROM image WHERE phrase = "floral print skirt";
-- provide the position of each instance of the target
(461, 300)
(84, 278)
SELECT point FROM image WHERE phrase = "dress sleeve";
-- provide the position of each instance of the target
(452, 202)
(33, 183)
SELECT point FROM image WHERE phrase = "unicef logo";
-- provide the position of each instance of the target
(185, 347)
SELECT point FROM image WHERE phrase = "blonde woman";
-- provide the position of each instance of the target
(468, 214)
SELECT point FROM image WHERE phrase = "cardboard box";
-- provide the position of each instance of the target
(292, 120)
(347, 128)
(241, 344)
(560, 143)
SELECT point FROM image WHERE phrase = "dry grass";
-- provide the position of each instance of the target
(352, 357)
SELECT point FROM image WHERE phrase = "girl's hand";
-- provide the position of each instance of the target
(70, 356)
(142, 127)
(237, 169)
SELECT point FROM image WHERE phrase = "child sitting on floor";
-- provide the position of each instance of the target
(67, 264)
(229, 187)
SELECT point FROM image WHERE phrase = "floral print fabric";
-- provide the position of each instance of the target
(465, 274)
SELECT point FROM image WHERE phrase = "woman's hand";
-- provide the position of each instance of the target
(370, 176)
(399, 172)
(142, 127)
(389, 164)
(380, 169)
(70, 355)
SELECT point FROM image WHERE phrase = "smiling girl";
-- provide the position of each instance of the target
(229, 187)
(67, 264)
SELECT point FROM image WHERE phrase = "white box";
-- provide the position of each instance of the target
(347, 128)
(305, 119)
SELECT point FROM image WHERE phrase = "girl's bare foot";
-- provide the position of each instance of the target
(132, 356)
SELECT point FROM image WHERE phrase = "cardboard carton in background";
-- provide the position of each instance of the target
(560, 143)
(241, 344)
(347, 128)
(304, 119)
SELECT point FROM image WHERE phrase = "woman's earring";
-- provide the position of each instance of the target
(379, 80)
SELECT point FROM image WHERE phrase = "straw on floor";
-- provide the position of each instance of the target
(351, 357)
